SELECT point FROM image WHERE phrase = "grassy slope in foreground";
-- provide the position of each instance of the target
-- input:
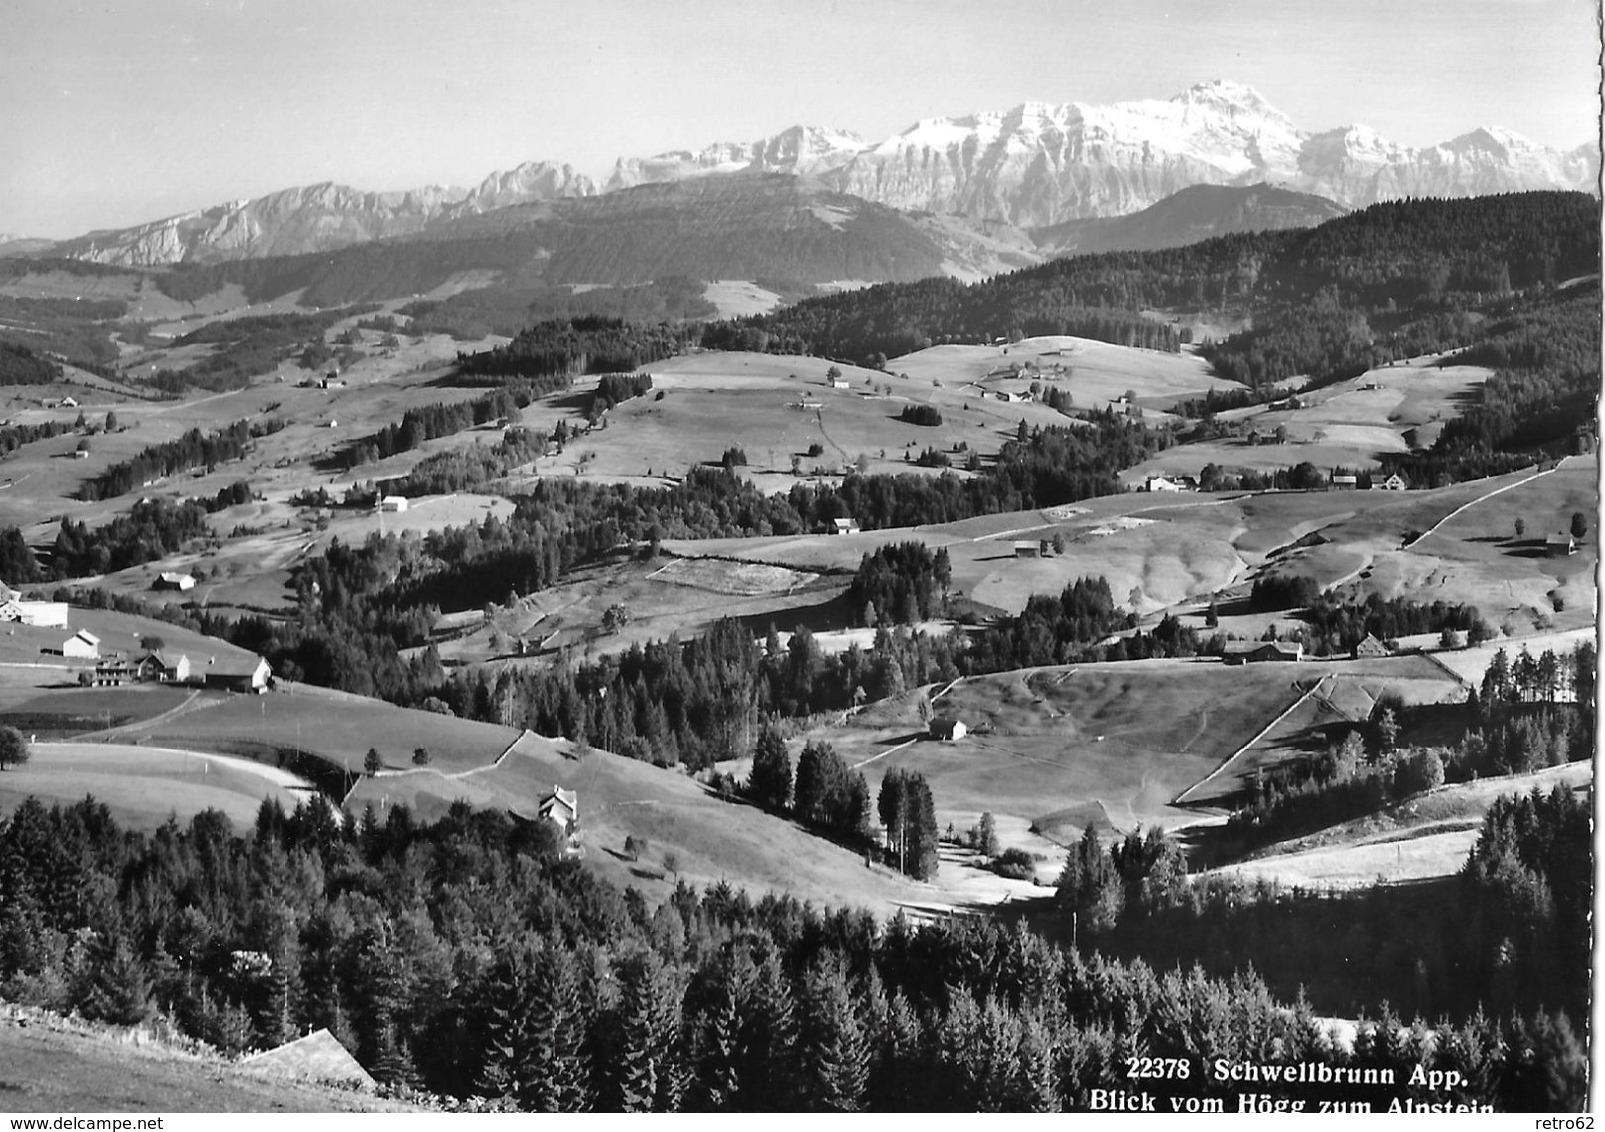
(55, 1065)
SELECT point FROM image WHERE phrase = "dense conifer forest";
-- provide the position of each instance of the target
(473, 959)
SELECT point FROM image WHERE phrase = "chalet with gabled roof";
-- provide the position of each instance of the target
(162, 666)
(561, 807)
(229, 675)
(1371, 647)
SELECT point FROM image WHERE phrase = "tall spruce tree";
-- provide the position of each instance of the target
(769, 784)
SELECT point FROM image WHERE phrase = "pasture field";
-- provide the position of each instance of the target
(144, 786)
(1098, 373)
(1064, 748)
(1158, 550)
(1425, 836)
(1470, 552)
(1336, 694)
(663, 597)
(337, 729)
(703, 403)
(705, 838)
(75, 709)
(737, 298)
(1351, 423)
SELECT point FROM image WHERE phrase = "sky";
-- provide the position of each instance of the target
(114, 113)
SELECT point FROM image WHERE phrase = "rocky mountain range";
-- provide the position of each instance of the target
(1032, 167)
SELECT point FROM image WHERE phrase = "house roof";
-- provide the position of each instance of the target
(233, 666)
(1286, 648)
(845, 522)
(317, 1057)
(166, 658)
(1560, 538)
(568, 799)
(944, 723)
(85, 634)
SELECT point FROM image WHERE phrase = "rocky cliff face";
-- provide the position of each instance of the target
(315, 218)
(801, 150)
(1038, 165)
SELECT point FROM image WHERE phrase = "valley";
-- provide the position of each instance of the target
(720, 577)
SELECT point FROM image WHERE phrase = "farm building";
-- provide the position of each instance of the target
(561, 807)
(8, 594)
(393, 503)
(173, 580)
(1395, 482)
(82, 645)
(1371, 647)
(844, 526)
(1345, 482)
(1170, 483)
(840, 383)
(810, 403)
(1257, 652)
(112, 671)
(238, 676)
(1011, 398)
(1559, 545)
(1028, 548)
(947, 729)
(80, 454)
(161, 666)
(45, 614)
(317, 1057)
(69, 402)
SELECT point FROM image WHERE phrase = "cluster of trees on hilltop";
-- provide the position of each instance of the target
(194, 449)
(1339, 624)
(14, 436)
(899, 584)
(469, 958)
(152, 528)
(1050, 630)
(471, 468)
(426, 422)
(612, 388)
(572, 346)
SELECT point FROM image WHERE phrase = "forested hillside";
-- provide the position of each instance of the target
(470, 958)
(1328, 301)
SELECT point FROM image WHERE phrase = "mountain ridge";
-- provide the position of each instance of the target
(1034, 165)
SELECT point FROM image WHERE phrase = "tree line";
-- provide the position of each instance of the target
(194, 449)
(573, 346)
